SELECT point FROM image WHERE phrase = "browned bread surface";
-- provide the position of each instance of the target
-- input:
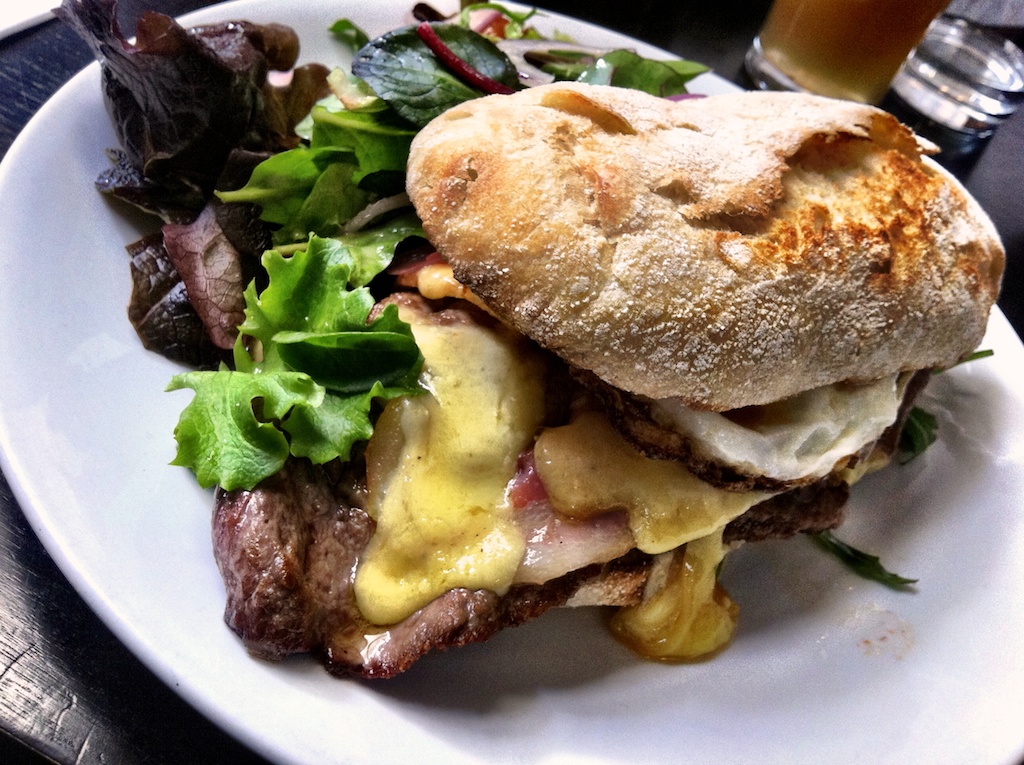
(729, 251)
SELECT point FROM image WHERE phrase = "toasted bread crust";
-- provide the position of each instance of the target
(729, 251)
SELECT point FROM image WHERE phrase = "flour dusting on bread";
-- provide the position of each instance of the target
(726, 251)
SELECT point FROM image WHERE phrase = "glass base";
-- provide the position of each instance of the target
(764, 74)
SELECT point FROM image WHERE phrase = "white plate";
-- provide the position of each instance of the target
(15, 17)
(825, 668)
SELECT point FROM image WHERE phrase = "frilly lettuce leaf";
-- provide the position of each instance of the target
(220, 435)
(316, 432)
(321, 364)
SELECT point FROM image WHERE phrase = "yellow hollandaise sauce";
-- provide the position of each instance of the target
(587, 467)
(438, 466)
(688, 616)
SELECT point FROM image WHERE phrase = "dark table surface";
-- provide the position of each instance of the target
(69, 691)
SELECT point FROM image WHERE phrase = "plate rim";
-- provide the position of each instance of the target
(22, 487)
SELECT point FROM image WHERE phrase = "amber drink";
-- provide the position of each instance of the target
(841, 48)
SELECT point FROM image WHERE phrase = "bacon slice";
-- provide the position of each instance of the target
(555, 543)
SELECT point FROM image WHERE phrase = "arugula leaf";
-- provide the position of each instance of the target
(982, 354)
(404, 72)
(919, 432)
(625, 69)
(322, 364)
(863, 564)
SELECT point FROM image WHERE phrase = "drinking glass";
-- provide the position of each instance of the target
(847, 49)
(959, 84)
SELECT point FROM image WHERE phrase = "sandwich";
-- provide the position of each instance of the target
(651, 331)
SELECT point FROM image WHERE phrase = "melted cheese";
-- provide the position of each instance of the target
(588, 468)
(436, 281)
(438, 468)
(807, 435)
(685, 615)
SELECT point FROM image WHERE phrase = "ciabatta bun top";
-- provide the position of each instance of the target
(728, 251)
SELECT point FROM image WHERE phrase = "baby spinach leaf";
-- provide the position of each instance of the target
(281, 183)
(625, 69)
(350, 362)
(405, 73)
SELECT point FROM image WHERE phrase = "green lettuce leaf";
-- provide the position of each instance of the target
(378, 143)
(329, 431)
(318, 187)
(320, 366)
(281, 183)
(227, 434)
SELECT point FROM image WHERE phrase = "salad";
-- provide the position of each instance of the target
(283, 209)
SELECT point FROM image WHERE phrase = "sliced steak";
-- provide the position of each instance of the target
(811, 508)
(288, 550)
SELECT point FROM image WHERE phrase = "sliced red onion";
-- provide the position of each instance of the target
(361, 219)
(459, 67)
(484, 20)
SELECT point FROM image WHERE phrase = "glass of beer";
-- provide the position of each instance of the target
(847, 49)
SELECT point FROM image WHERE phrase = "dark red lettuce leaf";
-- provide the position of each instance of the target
(173, 203)
(161, 312)
(240, 221)
(218, 254)
(212, 271)
(182, 99)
